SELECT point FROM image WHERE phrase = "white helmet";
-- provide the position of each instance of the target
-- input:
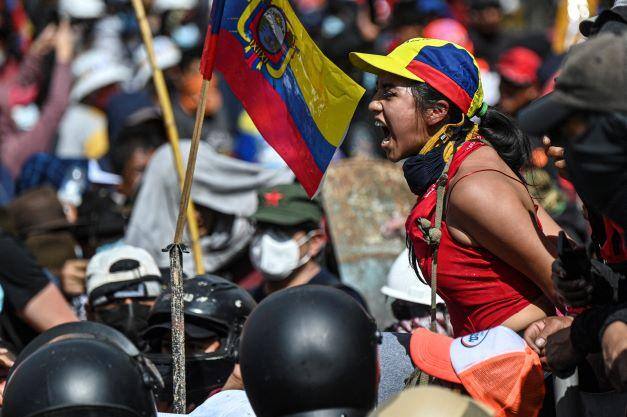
(82, 9)
(403, 284)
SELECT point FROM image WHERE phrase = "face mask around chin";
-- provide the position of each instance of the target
(277, 255)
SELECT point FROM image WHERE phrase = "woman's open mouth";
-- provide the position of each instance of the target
(385, 131)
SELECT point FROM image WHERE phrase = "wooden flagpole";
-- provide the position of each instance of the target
(176, 248)
(170, 125)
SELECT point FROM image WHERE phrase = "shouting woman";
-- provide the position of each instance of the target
(475, 229)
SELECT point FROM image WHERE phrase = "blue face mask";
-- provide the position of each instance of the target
(186, 36)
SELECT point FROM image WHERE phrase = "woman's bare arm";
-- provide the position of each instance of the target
(497, 214)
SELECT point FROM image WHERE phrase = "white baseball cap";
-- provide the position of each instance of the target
(123, 271)
(403, 284)
(96, 69)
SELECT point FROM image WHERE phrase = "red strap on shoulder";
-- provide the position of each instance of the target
(462, 153)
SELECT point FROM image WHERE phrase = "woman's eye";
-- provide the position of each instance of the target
(387, 94)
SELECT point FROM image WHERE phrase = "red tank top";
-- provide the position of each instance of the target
(480, 290)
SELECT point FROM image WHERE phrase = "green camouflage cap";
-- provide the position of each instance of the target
(287, 205)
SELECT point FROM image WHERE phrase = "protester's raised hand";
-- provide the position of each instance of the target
(537, 333)
(614, 345)
(64, 42)
(73, 276)
(557, 153)
(45, 41)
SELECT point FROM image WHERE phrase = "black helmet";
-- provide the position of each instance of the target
(310, 351)
(213, 307)
(81, 369)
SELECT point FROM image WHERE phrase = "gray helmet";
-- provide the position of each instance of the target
(81, 369)
(310, 351)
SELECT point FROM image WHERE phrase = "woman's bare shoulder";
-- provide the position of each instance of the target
(483, 158)
(484, 181)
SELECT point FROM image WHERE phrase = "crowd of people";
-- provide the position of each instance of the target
(511, 135)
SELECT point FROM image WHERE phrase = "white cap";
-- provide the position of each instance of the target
(165, 5)
(105, 277)
(96, 69)
(82, 9)
(469, 350)
(167, 53)
(403, 284)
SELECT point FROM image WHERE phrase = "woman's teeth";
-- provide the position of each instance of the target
(384, 129)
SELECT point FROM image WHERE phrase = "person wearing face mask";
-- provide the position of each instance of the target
(585, 119)
(288, 241)
(587, 115)
(474, 216)
(224, 195)
(122, 285)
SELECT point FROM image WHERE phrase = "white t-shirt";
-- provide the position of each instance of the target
(231, 403)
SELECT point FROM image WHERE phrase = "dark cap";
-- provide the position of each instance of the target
(592, 25)
(287, 205)
(593, 78)
(38, 210)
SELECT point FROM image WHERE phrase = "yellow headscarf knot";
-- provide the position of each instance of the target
(443, 136)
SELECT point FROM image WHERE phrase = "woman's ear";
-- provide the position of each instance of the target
(437, 114)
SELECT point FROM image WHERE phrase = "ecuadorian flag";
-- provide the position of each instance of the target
(300, 101)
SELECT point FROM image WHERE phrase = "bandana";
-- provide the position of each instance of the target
(422, 170)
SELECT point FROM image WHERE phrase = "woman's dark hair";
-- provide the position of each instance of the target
(500, 130)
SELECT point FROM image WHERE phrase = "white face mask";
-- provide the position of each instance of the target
(25, 117)
(276, 255)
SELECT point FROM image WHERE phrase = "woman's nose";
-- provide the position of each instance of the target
(375, 106)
